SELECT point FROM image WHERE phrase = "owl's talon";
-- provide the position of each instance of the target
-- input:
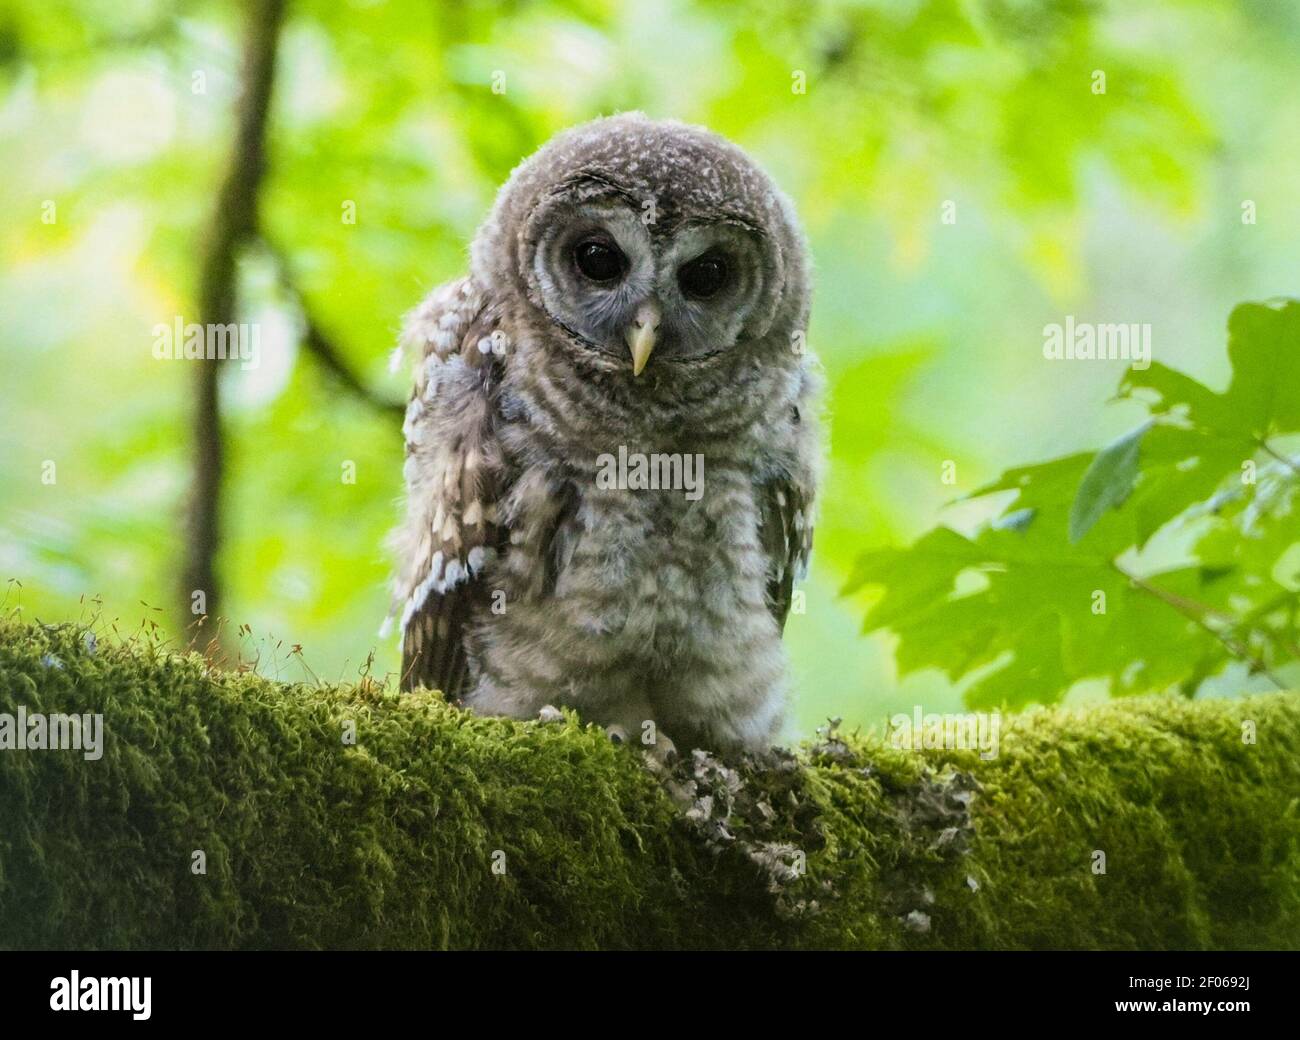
(616, 733)
(663, 752)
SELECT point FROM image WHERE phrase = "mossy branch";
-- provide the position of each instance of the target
(436, 828)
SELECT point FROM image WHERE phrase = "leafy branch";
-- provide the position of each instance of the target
(1063, 584)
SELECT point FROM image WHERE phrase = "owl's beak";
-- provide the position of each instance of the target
(640, 335)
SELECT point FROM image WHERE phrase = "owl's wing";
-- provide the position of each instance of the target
(786, 534)
(454, 481)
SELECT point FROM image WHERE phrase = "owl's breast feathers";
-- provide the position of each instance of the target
(467, 502)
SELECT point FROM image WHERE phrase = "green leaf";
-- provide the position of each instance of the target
(1263, 398)
(1264, 345)
(1108, 482)
(1173, 395)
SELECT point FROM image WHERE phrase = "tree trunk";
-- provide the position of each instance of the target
(234, 221)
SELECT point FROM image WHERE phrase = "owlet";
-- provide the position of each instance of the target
(611, 444)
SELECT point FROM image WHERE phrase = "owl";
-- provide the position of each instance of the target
(612, 446)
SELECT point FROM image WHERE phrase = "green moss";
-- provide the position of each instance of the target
(390, 842)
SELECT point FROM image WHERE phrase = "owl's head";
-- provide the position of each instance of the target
(649, 246)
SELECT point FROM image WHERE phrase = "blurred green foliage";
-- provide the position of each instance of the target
(962, 179)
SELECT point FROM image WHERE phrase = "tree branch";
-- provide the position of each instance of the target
(565, 841)
(321, 345)
(233, 220)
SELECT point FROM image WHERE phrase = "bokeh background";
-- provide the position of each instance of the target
(881, 119)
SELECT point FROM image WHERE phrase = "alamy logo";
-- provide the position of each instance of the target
(73, 993)
(1084, 341)
(637, 471)
(213, 342)
(975, 730)
(35, 731)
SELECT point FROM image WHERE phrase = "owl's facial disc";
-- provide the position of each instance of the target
(712, 277)
(644, 294)
(591, 269)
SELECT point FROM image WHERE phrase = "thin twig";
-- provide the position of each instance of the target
(321, 345)
(1198, 612)
(1289, 463)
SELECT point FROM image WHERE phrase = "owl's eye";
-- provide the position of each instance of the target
(703, 276)
(599, 260)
